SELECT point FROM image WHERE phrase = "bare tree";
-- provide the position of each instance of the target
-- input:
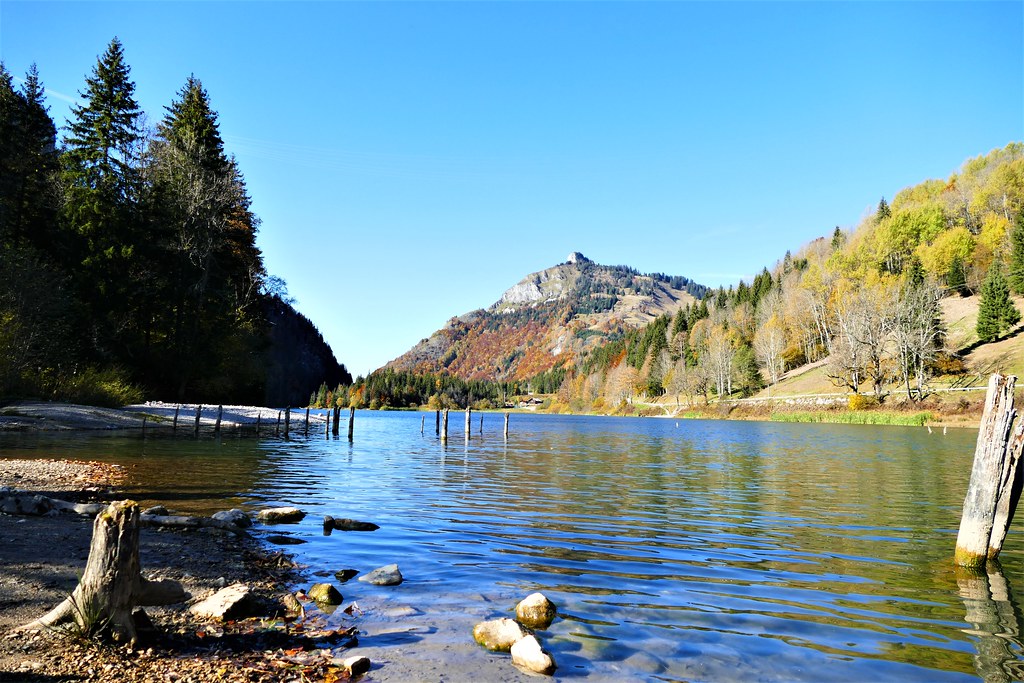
(916, 333)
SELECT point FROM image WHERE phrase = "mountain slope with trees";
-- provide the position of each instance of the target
(130, 259)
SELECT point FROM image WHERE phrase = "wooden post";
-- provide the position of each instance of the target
(305, 431)
(423, 422)
(337, 421)
(277, 427)
(143, 425)
(259, 417)
(995, 478)
(481, 425)
(351, 421)
(437, 422)
(506, 426)
(468, 428)
(327, 423)
(444, 426)
(199, 411)
(174, 426)
(220, 414)
(287, 421)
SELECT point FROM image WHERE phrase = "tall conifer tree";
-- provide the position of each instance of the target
(996, 312)
(1016, 275)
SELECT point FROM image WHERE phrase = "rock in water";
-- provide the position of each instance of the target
(286, 515)
(344, 575)
(499, 634)
(233, 602)
(536, 611)
(388, 575)
(234, 516)
(156, 510)
(324, 594)
(528, 654)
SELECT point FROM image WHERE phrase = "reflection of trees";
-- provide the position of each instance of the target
(993, 612)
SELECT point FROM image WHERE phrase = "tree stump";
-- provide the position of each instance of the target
(112, 584)
(995, 484)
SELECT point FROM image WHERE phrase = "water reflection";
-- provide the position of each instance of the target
(994, 614)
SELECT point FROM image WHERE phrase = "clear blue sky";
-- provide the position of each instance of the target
(410, 161)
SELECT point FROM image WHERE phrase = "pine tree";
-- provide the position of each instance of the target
(915, 273)
(956, 276)
(883, 210)
(996, 312)
(1016, 274)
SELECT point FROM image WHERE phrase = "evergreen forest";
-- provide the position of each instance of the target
(130, 267)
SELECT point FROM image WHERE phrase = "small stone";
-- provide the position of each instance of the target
(285, 515)
(528, 654)
(280, 539)
(234, 516)
(324, 594)
(536, 611)
(388, 575)
(158, 510)
(499, 634)
(344, 575)
(290, 603)
(356, 666)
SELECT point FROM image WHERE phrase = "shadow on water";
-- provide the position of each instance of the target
(994, 614)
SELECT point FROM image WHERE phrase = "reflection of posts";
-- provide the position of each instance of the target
(992, 611)
(995, 485)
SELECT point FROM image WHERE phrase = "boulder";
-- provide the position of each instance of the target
(536, 611)
(285, 515)
(234, 516)
(233, 602)
(528, 654)
(499, 634)
(324, 594)
(291, 604)
(158, 510)
(388, 575)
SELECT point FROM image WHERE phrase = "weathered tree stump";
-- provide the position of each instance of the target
(995, 483)
(112, 584)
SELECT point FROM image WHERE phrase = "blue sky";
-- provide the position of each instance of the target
(410, 161)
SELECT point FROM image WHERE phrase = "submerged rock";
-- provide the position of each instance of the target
(536, 611)
(324, 594)
(528, 654)
(388, 575)
(499, 634)
(279, 539)
(285, 515)
(344, 524)
(344, 575)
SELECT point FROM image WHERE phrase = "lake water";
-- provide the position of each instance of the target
(676, 551)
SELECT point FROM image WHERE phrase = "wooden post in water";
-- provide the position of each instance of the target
(305, 432)
(481, 425)
(444, 426)
(277, 427)
(336, 429)
(259, 417)
(287, 421)
(143, 425)
(423, 422)
(174, 426)
(199, 411)
(351, 421)
(995, 484)
(506, 426)
(220, 414)
(437, 422)
(327, 424)
(468, 428)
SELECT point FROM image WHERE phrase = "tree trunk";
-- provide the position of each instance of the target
(112, 584)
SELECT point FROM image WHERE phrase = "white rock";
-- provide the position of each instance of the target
(285, 515)
(499, 634)
(231, 602)
(356, 666)
(528, 654)
(234, 516)
(388, 575)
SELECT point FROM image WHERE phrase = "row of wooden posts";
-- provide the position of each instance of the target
(330, 427)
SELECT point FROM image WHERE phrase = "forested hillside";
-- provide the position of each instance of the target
(863, 307)
(130, 267)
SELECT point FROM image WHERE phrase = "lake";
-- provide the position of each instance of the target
(676, 550)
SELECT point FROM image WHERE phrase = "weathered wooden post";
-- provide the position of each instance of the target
(444, 426)
(506, 426)
(199, 411)
(174, 425)
(351, 421)
(995, 483)
(143, 425)
(481, 431)
(277, 427)
(468, 428)
(423, 422)
(287, 421)
(336, 429)
(259, 417)
(220, 414)
(305, 432)
(437, 422)
(327, 424)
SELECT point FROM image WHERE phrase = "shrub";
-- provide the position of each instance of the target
(862, 402)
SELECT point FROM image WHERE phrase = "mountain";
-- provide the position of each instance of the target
(547, 319)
